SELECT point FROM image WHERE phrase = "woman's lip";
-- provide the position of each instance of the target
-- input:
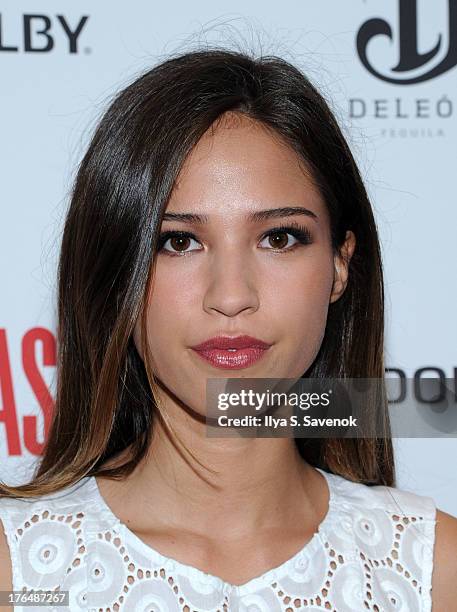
(224, 342)
(232, 360)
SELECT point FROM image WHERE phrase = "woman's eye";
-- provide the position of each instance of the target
(280, 240)
(177, 243)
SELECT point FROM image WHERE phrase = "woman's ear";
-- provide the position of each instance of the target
(341, 261)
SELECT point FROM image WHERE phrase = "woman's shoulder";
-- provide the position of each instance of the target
(25, 512)
(74, 506)
(418, 534)
(395, 501)
(6, 573)
(444, 582)
(59, 521)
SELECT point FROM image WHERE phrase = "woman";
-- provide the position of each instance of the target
(218, 202)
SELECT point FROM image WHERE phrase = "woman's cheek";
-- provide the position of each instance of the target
(307, 317)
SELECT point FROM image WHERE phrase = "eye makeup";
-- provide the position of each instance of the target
(300, 232)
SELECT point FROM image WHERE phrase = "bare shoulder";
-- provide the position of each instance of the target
(444, 577)
(6, 578)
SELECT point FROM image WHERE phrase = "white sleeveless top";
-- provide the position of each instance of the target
(372, 551)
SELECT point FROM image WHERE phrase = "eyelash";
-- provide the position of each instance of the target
(300, 232)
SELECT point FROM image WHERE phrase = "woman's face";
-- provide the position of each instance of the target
(230, 274)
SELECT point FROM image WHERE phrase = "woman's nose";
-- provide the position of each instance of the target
(231, 287)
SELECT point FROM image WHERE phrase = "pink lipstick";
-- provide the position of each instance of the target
(232, 352)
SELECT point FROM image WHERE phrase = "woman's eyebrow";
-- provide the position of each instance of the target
(260, 215)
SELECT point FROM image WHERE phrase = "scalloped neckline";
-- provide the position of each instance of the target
(200, 575)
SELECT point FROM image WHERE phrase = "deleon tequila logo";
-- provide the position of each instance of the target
(408, 116)
(410, 59)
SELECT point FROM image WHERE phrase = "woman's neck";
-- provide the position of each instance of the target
(255, 484)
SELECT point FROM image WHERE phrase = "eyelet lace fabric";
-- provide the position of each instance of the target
(372, 551)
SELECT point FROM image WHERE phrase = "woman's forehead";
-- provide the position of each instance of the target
(242, 167)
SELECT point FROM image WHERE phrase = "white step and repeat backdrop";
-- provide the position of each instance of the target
(388, 69)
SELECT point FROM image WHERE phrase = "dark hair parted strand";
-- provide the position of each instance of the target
(105, 400)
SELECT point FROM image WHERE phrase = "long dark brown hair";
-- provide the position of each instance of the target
(105, 399)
